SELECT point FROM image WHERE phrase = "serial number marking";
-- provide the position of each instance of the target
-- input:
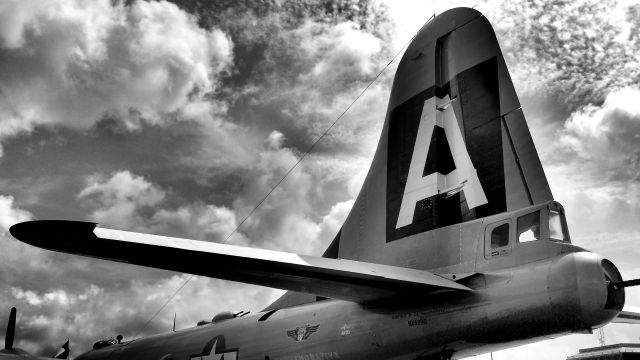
(417, 322)
(410, 314)
(332, 355)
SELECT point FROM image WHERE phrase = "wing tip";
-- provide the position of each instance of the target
(39, 232)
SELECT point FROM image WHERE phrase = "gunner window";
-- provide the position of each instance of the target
(500, 236)
(555, 226)
(497, 239)
(529, 227)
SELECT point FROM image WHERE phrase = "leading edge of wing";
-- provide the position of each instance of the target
(334, 278)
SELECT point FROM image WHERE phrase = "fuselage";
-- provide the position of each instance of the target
(549, 295)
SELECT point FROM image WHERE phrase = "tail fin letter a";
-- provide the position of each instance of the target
(463, 178)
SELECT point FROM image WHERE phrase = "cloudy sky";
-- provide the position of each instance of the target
(176, 118)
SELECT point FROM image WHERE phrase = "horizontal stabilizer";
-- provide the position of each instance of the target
(334, 278)
(628, 315)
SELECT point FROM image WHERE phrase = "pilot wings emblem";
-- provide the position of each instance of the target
(302, 332)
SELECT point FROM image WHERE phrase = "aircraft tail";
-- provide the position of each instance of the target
(455, 147)
(63, 353)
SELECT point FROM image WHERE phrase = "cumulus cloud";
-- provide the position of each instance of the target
(332, 222)
(605, 138)
(577, 51)
(75, 62)
(120, 199)
(13, 252)
(288, 220)
(57, 297)
(199, 221)
(295, 217)
(285, 220)
(10, 215)
(275, 140)
(300, 64)
(341, 54)
(594, 170)
(93, 313)
(328, 66)
(127, 201)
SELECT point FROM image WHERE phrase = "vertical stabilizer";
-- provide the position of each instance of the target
(63, 353)
(11, 330)
(455, 146)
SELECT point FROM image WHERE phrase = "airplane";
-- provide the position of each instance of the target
(454, 246)
(12, 353)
